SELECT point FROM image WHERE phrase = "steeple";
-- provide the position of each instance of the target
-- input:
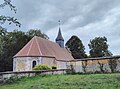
(59, 38)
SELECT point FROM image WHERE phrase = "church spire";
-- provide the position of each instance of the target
(59, 38)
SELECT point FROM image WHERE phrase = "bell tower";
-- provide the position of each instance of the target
(59, 38)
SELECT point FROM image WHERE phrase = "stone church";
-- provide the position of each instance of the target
(42, 51)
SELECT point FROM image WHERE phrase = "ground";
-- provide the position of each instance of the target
(78, 81)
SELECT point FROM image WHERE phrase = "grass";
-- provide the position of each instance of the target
(87, 81)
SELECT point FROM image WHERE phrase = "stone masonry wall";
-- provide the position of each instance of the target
(93, 65)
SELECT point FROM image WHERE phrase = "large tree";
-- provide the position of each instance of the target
(76, 47)
(11, 43)
(99, 47)
(3, 32)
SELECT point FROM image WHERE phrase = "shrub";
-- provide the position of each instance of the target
(42, 67)
(53, 67)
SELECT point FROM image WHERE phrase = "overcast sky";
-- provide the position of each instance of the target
(85, 18)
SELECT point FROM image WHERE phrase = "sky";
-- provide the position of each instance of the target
(86, 19)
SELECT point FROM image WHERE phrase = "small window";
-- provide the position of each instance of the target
(33, 64)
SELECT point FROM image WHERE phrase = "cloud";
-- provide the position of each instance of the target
(84, 18)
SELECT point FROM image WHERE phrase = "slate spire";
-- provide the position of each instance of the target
(59, 38)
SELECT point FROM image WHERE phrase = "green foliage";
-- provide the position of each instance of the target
(113, 64)
(42, 67)
(9, 19)
(8, 3)
(37, 32)
(76, 47)
(11, 43)
(3, 31)
(88, 81)
(99, 47)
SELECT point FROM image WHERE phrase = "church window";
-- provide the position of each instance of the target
(34, 64)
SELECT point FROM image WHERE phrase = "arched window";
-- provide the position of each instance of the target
(33, 64)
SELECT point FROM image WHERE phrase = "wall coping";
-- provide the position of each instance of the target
(33, 71)
(97, 58)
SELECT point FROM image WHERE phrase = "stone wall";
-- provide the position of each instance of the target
(62, 65)
(101, 65)
(20, 64)
(86, 65)
(4, 76)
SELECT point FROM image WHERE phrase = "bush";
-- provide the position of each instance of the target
(42, 67)
(53, 67)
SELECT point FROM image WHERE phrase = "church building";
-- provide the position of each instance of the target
(42, 51)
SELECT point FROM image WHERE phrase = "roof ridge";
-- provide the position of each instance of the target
(30, 47)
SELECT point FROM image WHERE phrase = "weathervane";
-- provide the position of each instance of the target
(59, 22)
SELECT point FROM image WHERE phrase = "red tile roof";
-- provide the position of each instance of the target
(38, 46)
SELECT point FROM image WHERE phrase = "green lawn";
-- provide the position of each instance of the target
(87, 81)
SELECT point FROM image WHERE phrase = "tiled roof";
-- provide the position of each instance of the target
(38, 46)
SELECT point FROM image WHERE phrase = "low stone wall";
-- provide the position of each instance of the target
(7, 75)
(94, 65)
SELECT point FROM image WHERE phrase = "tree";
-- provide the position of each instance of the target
(12, 42)
(99, 47)
(76, 47)
(9, 19)
(37, 32)
(3, 31)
